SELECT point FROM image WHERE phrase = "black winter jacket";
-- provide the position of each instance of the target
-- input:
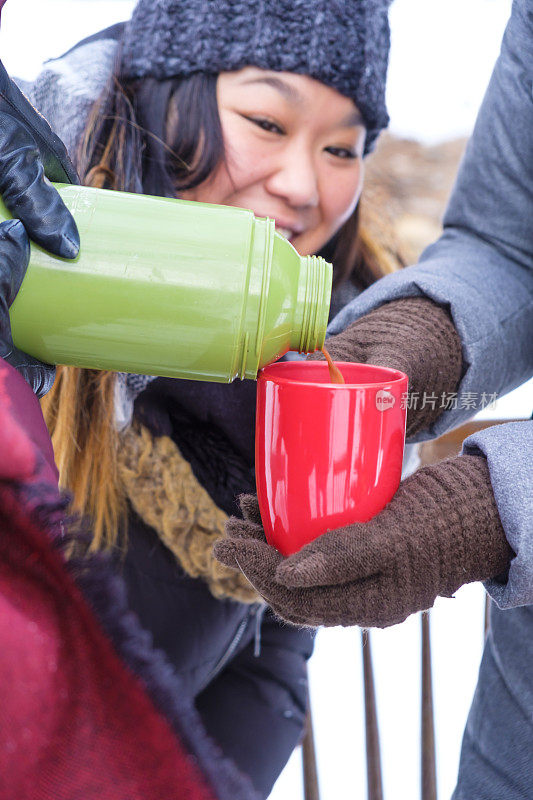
(246, 671)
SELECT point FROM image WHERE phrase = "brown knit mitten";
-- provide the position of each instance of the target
(416, 336)
(440, 530)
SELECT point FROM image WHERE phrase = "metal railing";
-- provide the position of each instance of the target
(428, 777)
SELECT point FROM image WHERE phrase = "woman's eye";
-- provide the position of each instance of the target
(341, 152)
(266, 124)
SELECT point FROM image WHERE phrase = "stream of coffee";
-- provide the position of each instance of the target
(335, 375)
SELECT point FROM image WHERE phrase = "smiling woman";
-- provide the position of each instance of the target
(214, 104)
(285, 145)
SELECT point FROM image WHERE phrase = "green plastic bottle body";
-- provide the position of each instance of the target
(172, 288)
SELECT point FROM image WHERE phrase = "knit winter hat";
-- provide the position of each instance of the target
(342, 43)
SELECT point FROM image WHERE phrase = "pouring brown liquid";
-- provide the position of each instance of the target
(335, 375)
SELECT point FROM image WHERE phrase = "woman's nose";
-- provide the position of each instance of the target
(294, 178)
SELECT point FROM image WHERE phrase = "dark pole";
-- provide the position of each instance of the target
(373, 757)
(310, 772)
(429, 767)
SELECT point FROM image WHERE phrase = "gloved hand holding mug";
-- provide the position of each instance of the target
(440, 530)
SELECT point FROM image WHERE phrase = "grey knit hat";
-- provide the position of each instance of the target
(342, 43)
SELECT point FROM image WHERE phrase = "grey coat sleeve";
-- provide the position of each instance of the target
(482, 266)
(482, 270)
(512, 482)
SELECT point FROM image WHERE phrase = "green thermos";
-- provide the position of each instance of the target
(169, 287)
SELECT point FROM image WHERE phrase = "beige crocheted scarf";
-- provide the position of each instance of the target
(164, 492)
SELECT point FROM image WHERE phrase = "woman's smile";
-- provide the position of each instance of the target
(286, 232)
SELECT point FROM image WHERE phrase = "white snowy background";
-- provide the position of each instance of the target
(441, 59)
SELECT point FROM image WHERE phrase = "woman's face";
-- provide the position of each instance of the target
(293, 153)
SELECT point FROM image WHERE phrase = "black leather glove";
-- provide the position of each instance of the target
(30, 153)
(14, 257)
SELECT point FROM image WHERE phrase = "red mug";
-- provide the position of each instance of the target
(326, 454)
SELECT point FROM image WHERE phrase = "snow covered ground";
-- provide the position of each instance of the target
(442, 56)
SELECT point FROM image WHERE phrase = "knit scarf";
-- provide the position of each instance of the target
(164, 492)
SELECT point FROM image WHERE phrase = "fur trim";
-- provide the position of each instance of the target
(105, 593)
(165, 493)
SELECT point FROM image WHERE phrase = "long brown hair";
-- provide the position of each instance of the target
(160, 138)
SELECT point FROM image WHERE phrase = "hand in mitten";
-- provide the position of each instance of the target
(440, 531)
(28, 151)
(414, 335)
